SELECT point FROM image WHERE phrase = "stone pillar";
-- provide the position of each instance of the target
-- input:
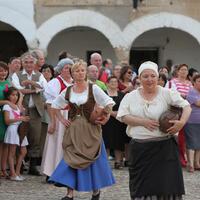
(35, 44)
(122, 54)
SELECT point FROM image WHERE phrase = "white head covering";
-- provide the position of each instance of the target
(148, 65)
(62, 63)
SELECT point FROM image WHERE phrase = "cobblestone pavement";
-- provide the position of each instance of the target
(35, 188)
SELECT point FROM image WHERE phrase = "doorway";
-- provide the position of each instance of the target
(138, 55)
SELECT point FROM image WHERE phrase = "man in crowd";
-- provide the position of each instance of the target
(31, 83)
(39, 56)
(14, 66)
(96, 60)
(93, 74)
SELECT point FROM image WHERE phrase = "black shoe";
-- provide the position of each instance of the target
(118, 165)
(33, 171)
(67, 198)
(126, 164)
(96, 197)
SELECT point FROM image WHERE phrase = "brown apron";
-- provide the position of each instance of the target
(82, 139)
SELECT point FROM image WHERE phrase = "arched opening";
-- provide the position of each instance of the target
(12, 42)
(165, 45)
(80, 42)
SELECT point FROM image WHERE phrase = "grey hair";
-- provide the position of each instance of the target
(28, 55)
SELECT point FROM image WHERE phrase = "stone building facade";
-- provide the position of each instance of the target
(160, 30)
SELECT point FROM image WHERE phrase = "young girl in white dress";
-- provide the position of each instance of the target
(12, 119)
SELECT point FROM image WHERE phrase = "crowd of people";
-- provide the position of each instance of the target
(81, 115)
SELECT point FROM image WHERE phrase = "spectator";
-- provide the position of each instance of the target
(192, 127)
(182, 85)
(162, 80)
(96, 60)
(31, 83)
(114, 131)
(40, 58)
(4, 84)
(116, 71)
(93, 74)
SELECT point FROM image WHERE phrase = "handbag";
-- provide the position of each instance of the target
(173, 113)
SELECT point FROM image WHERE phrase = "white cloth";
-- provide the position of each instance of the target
(53, 88)
(11, 135)
(148, 65)
(134, 104)
(101, 98)
(53, 152)
(42, 83)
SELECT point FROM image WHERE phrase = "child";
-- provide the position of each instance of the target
(12, 119)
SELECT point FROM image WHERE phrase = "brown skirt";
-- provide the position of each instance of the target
(81, 143)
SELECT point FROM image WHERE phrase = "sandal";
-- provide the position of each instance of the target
(4, 174)
(190, 169)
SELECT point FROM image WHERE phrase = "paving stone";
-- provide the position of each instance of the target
(35, 188)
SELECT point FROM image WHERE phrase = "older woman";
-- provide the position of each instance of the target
(85, 166)
(53, 143)
(182, 85)
(125, 79)
(154, 167)
(192, 127)
(114, 131)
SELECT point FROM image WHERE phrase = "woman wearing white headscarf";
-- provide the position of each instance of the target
(154, 166)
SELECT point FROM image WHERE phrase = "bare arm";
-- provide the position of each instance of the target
(52, 123)
(197, 103)
(27, 91)
(57, 114)
(9, 121)
(32, 83)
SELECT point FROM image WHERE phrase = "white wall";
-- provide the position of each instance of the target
(25, 7)
(182, 48)
(77, 41)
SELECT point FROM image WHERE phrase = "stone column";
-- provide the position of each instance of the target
(35, 44)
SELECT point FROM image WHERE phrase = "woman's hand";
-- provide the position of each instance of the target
(151, 124)
(102, 120)
(24, 118)
(65, 122)
(51, 128)
(177, 126)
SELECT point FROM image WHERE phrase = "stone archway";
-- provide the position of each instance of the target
(76, 18)
(21, 23)
(161, 20)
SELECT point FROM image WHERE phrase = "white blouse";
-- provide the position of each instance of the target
(134, 104)
(101, 98)
(52, 89)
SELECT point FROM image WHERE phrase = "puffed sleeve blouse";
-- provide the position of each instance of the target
(101, 98)
(134, 104)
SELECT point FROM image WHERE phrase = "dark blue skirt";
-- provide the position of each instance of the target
(192, 136)
(94, 177)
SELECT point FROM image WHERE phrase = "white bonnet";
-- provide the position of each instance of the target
(148, 65)
(62, 63)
